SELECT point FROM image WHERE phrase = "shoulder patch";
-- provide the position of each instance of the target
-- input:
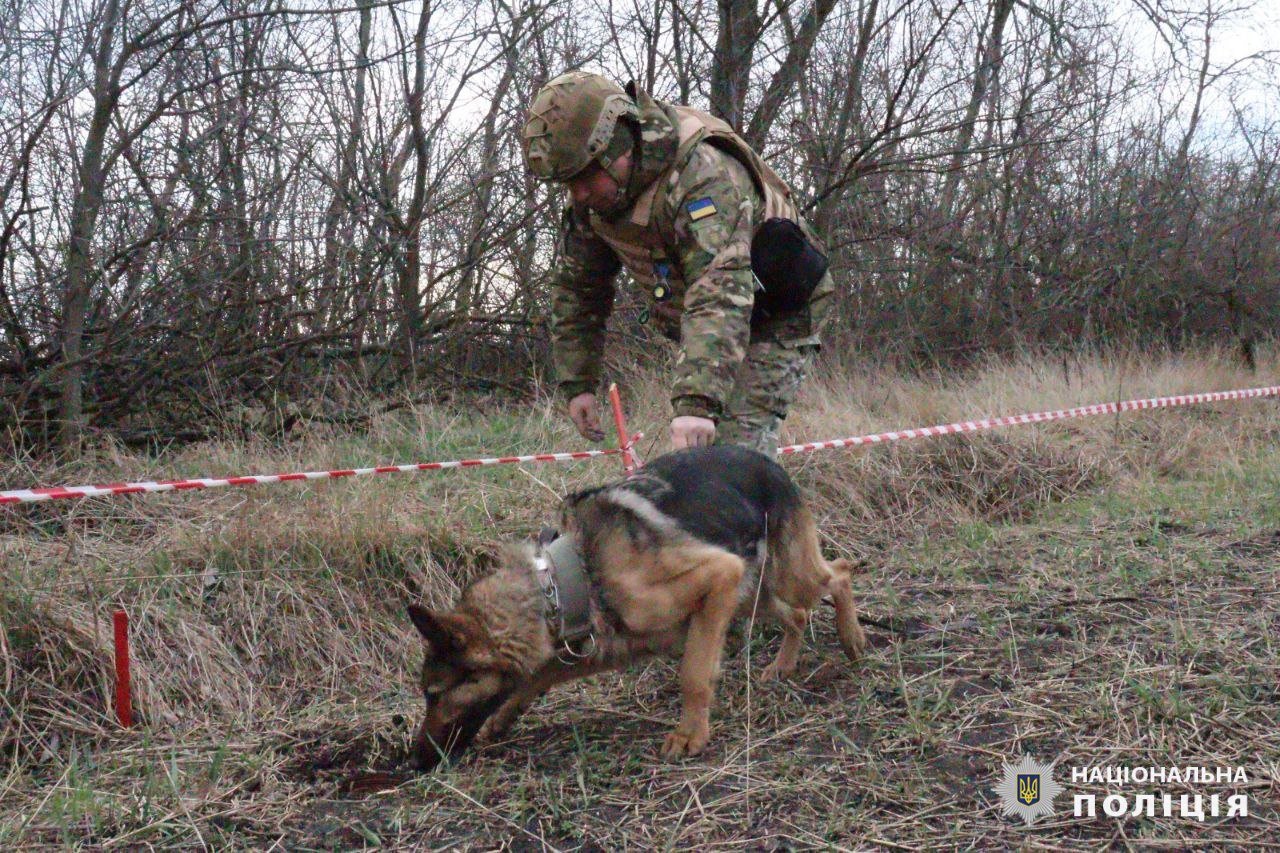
(701, 209)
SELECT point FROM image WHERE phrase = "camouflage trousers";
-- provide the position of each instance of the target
(778, 358)
(769, 378)
(765, 386)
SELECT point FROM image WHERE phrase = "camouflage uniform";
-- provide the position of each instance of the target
(695, 202)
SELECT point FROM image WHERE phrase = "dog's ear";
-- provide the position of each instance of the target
(572, 504)
(434, 630)
(547, 535)
(574, 498)
(513, 554)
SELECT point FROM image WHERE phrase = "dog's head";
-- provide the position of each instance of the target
(461, 681)
(478, 654)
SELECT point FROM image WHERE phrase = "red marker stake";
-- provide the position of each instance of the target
(629, 463)
(124, 702)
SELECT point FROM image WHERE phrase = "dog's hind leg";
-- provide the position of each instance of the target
(802, 577)
(794, 620)
(713, 584)
(852, 639)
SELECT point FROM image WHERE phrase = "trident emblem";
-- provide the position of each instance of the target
(1029, 788)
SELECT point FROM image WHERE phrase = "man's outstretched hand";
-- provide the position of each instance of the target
(688, 431)
(585, 415)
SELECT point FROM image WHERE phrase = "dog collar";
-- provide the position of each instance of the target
(561, 573)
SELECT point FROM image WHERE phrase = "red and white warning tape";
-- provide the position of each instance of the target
(31, 495)
(1038, 417)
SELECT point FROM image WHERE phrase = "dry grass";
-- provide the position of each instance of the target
(1102, 591)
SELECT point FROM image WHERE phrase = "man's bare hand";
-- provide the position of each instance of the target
(688, 431)
(585, 415)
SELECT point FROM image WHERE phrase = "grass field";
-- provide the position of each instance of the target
(1101, 592)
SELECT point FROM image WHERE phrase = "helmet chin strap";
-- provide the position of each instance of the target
(609, 162)
(611, 169)
(618, 206)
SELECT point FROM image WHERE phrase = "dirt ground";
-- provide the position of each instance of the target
(1095, 595)
(1137, 629)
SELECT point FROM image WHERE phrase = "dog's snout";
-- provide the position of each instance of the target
(425, 755)
(450, 739)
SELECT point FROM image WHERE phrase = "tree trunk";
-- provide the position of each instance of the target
(799, 46)
(339, 226)
(950, 304)
(84, 218)
(469, 288)
(408, 281)
(731, 65)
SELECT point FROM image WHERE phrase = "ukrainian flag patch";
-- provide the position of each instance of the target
(701, 209)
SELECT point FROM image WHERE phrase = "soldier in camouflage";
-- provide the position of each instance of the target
(675, 196)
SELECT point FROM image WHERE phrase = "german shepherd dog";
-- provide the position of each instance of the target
(670, 553)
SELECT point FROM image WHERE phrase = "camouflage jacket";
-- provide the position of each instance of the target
(686, 237)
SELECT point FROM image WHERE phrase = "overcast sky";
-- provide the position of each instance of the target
(1249, 29)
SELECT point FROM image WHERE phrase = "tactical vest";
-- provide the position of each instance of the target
(638, 241)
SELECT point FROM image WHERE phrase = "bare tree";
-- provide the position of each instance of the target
(215, 203)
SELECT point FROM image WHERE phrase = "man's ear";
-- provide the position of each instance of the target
(434, 630)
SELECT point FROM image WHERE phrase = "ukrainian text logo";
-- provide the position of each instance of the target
(1196, 807)
(1027, 789)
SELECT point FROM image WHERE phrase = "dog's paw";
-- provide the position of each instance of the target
(680, 744)
(776, 672)
(493, 730)
(854, 644)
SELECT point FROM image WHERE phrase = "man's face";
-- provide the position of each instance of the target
(596, 188)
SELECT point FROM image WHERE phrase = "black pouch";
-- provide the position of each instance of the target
(787, 265)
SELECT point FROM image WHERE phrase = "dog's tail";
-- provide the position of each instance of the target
(852, 639)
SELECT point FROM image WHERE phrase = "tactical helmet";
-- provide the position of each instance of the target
(571, 123)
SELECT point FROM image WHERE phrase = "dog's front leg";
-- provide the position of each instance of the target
(717, 580)
(543, 680)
